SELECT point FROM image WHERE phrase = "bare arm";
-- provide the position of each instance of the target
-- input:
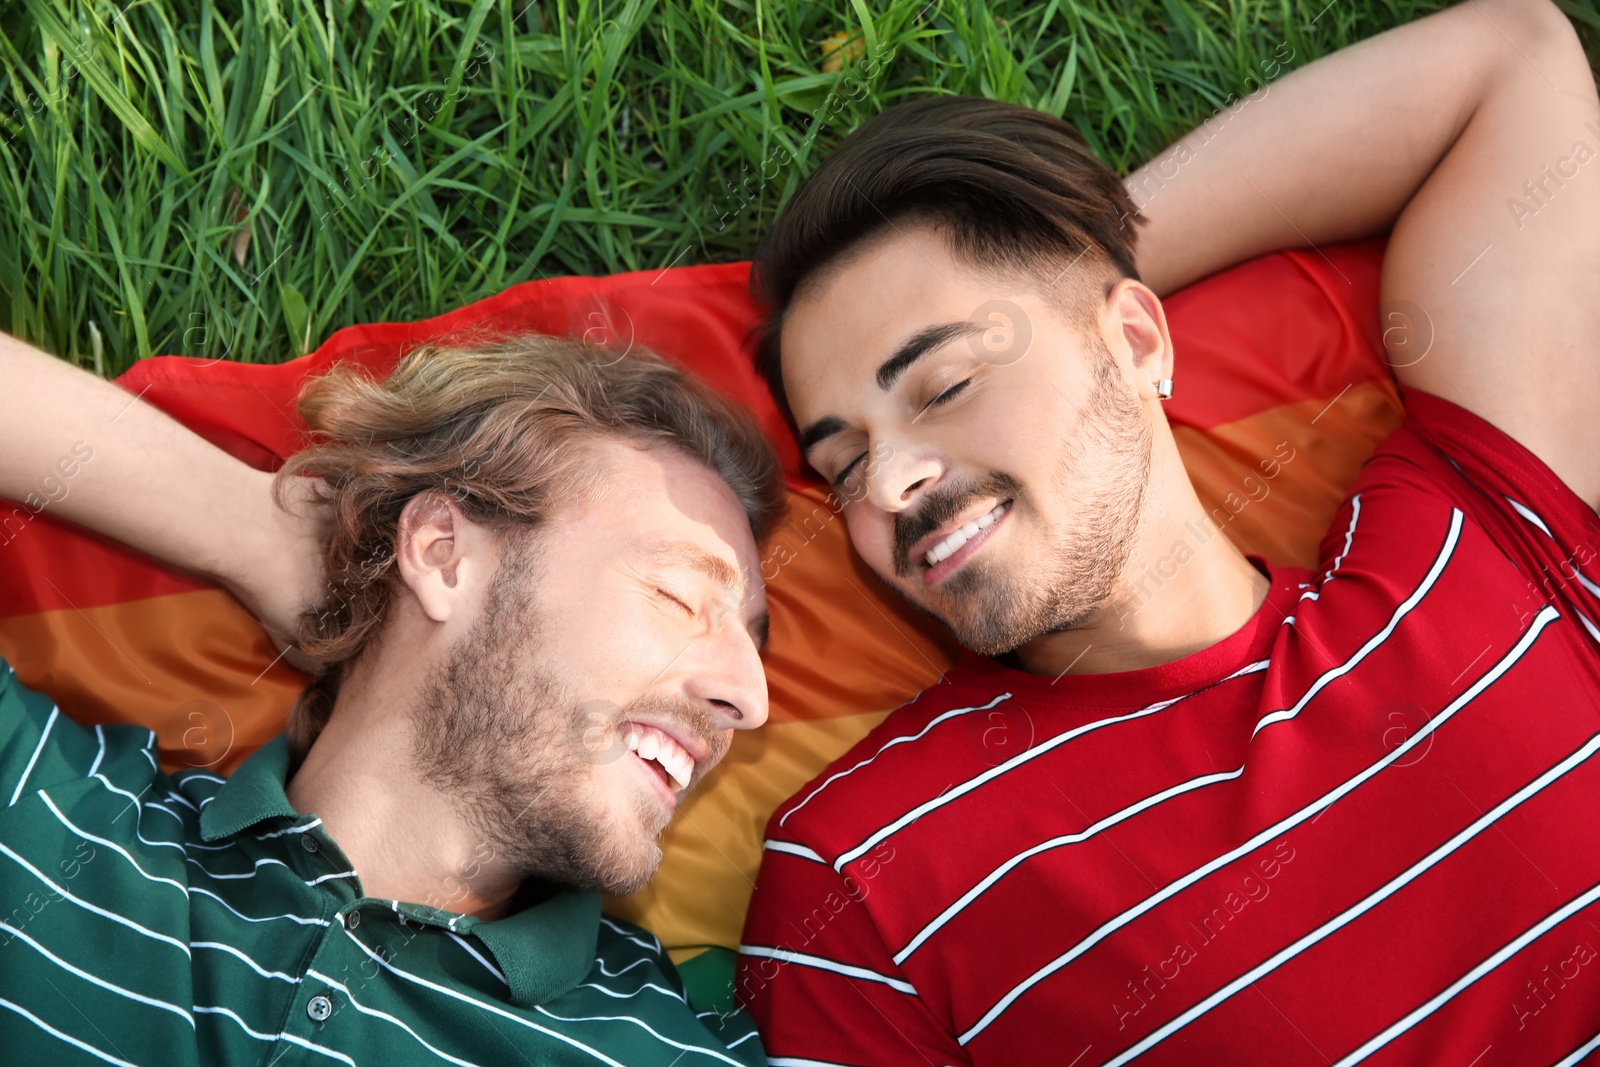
(151, 484)
(1329, 152)
(1430, 130)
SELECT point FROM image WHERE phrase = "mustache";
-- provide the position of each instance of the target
(939, 506)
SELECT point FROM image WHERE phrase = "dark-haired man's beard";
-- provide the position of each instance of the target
(505, 741)
(998, 603)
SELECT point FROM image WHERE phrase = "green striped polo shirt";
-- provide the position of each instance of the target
(148, 918)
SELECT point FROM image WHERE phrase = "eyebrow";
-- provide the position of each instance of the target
(688, 554)
(915, 347)
(820, 431)
(920, 344)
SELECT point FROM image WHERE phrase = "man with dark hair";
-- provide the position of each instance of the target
(1202, 857)
(536, 636)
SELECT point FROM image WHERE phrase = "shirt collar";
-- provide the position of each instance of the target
(254, 792)
(544, 950)
(547, 949)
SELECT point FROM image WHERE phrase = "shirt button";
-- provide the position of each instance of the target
(308, 843)
(354, 920)
(319, 1008)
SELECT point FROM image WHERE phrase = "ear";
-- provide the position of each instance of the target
(1140, 324)
(441, 555)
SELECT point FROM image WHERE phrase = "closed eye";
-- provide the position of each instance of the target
(678, 601)
(839, 479)
(949, 394)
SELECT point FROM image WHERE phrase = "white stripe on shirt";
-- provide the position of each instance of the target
(100, 735)
(266, 861)
(822, 963)
(1109, 927)
(1018, 760)
(44, 735)
(793, 849)
(138, 809)
(627, 994)
(653, 945)
(1377, 639)
(493, 1009)
(386, 1017)
(200, 1009)
(254, 966)
(618, 974)
(96, 980)
(1355, 911)
(904, 739)
(1349, 536)
(1578, 1054)
(53, 1032)
(491, 968)
(124, 853)
(1058, 842)
(1527, 513)
(1533, 933)
(189, 776)
(113, 916)
(698, 1050)
(302, 920)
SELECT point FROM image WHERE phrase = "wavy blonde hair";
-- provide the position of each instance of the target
(505, 427)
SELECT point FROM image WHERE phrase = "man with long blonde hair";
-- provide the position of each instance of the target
(539, 629)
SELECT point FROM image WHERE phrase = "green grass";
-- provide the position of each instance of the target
(240, 180)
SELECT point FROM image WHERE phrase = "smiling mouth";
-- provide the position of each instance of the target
(667, 760)
(959, 537)
(952, 551)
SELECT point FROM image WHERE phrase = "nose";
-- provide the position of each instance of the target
(723, 674)
(900, 478)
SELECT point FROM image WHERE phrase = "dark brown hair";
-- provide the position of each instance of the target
(504, 427)
(1011, 189)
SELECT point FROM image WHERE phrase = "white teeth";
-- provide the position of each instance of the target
(678, 765)
(651, 743)
(946, 548)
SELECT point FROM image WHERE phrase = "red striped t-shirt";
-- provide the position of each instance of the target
(1364, 828)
